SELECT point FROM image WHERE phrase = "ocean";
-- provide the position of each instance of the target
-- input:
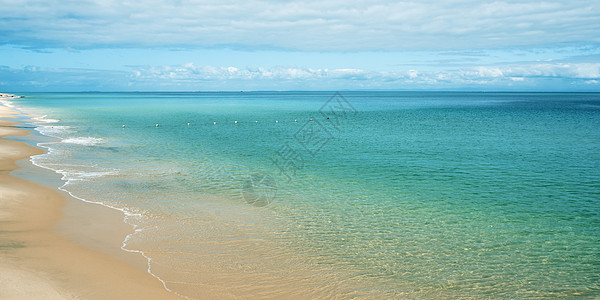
(367, 195)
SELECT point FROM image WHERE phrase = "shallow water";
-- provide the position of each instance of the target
(397, 194)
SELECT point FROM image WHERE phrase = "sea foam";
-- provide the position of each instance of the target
(7, 103)
(85, 141)
(79, 175)
(53, 131)
(43, 119)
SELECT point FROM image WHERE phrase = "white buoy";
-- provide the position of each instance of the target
(256, 121)
(188, 123)
(276, 121)
(214, 123)
(235, 122)
(295, 121)
(123, 126)
(156, 125)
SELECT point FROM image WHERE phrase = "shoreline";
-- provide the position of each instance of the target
(53, 246)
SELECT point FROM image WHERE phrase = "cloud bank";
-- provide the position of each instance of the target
(115, 45)
(309, 25)
(530, 75)
(191, 77)
(191, 72)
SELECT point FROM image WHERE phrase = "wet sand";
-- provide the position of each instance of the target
(56, 247)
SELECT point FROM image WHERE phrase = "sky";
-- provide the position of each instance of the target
(207, 45)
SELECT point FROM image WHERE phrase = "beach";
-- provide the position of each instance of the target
(38, 260)
(300, 150)
(299, 195)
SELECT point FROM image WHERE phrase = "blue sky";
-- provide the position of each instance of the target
(197, 45)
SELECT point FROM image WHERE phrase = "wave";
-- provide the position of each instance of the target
(43, 119)
(7, 103)
(86, 141)
(78, 175)
(53, 131)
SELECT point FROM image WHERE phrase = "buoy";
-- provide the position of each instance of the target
(188, 123)
(276, 121)
(235, 122)
(123, 126)
(214, 123)
(156, 125)
(295, 120)
(310, 119)
(256, 121)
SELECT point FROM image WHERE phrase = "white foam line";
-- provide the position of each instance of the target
(42, 119)
(85, 141)
(6, 103)
(124, 245)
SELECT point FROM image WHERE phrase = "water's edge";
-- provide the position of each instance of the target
(31, 123)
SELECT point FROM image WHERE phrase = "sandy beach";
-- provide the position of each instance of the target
(56, 247)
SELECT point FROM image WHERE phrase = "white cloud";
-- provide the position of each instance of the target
(190, 71)
(587, 70)
(480, 75)
(535, 76)
(412, 74)
(493, 72)
(557, 70)
(308, 25)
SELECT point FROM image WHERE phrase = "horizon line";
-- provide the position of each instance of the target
(312, 91)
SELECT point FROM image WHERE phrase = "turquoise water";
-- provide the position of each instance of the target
(397, 194)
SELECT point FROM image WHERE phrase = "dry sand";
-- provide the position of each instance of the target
(38, 262)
